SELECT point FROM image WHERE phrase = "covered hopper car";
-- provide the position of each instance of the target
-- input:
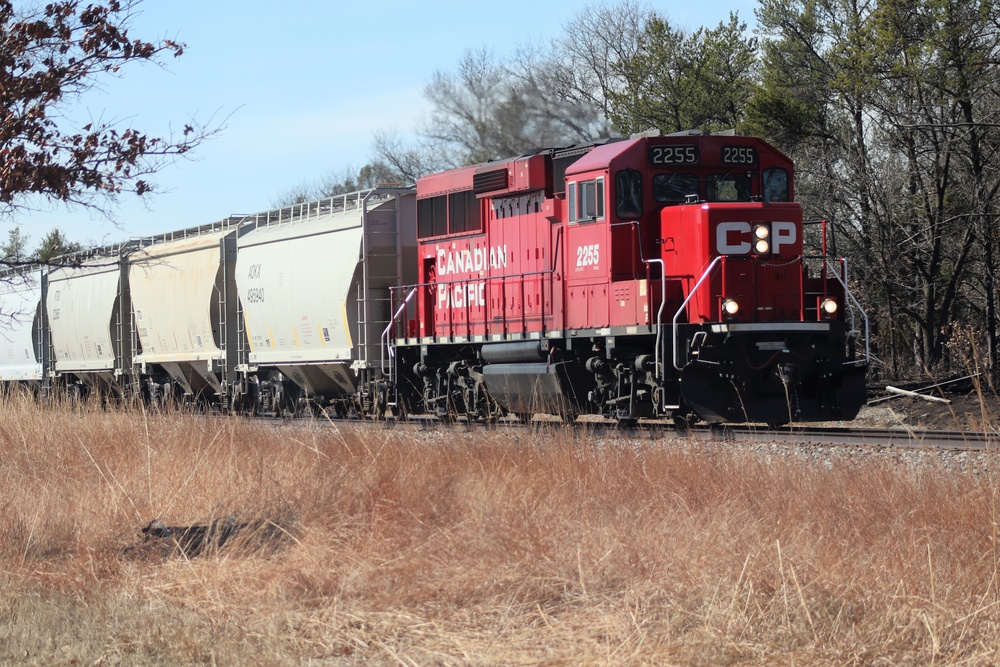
(651, 277)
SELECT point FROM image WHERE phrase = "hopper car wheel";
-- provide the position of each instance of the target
(275, 400)
(284, 397)
(247, 401)
(252, 406)
(201, 404)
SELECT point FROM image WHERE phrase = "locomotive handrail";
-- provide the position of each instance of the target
(490, 280)
(543, 272)
(690, 296)
(387, 348)
(840, 278)
(856, 304)
(658, 370)
(634, 224)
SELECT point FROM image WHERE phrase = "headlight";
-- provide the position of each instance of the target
(829, 306)
(761, 247)
(761, 231)
(730, 307)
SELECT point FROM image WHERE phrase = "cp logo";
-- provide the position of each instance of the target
(736, 238)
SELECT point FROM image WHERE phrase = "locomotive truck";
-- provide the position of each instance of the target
(651, 277)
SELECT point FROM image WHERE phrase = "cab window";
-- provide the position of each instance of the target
(728, 187)
(628, 194)
(674, 188)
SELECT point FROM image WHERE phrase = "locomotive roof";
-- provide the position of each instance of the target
(453, 180)
(461, 178)
(601, 156)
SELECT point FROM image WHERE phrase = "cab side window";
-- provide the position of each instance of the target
(775, 185)
(586, 200)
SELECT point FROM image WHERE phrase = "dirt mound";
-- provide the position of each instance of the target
(966, 409)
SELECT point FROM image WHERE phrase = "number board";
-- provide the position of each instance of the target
(675, 154)
(739, 155)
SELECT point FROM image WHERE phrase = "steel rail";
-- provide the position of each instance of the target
(667, 434)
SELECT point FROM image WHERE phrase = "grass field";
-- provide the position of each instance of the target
(507, 548)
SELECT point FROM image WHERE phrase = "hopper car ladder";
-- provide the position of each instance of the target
(381, 269)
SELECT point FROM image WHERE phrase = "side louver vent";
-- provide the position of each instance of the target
(488, 181)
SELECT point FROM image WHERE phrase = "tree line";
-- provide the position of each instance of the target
(890, 109)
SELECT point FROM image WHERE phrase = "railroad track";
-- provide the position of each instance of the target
(858, 437)
(796, 435)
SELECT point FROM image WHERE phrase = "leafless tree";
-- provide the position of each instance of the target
(596, 45)
(50, 55)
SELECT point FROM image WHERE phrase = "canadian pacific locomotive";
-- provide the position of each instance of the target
(651, 277)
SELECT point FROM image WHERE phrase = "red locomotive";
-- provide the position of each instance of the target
(654, 277)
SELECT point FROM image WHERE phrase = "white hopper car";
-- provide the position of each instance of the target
(276, 311)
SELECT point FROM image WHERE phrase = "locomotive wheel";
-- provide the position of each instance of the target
(400, 411)
(682, 424)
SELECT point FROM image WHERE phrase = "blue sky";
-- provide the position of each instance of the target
(302, 85)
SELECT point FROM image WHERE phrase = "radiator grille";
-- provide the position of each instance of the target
(488, 181)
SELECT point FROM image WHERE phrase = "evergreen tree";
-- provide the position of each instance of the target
(15, 251)
(53, 245)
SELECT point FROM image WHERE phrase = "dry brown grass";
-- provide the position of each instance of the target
(399, 548)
